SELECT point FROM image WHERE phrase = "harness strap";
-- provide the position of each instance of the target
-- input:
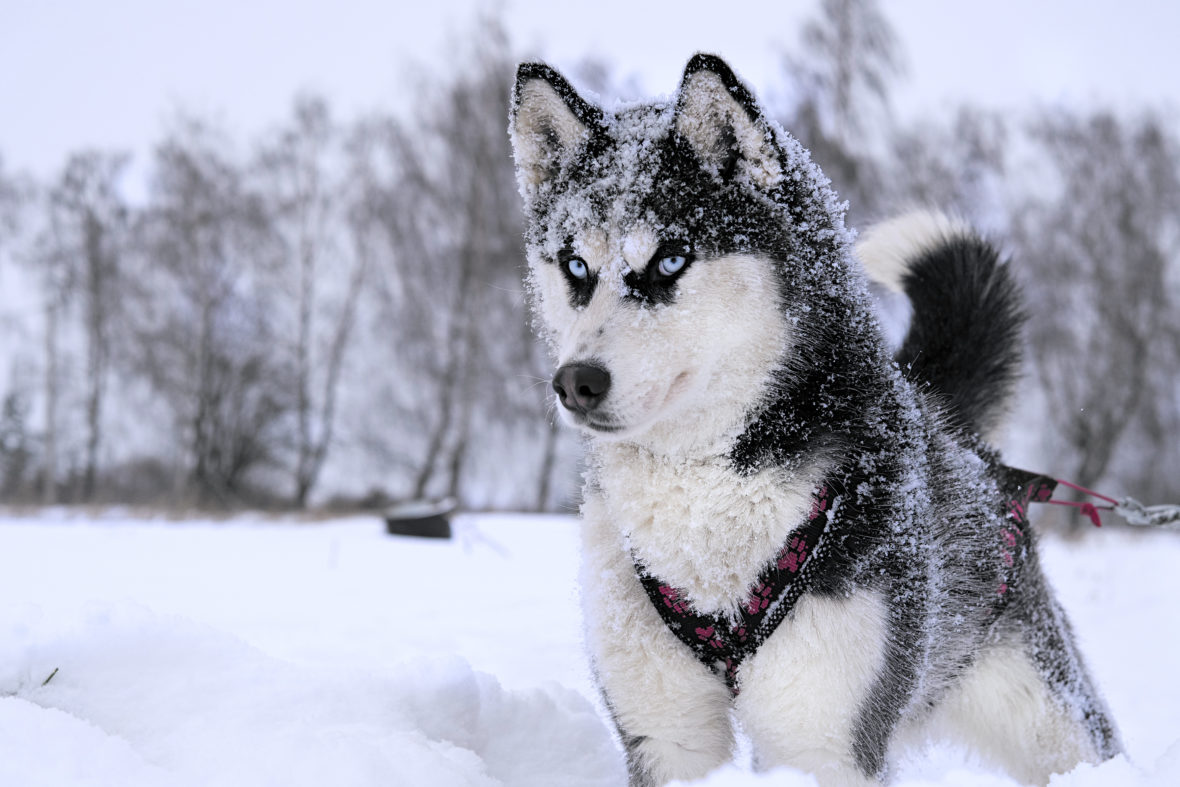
(1019, 488)
(1131, 510)
(721, 643)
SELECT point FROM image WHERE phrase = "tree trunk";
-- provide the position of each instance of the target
(310, 470)
(458, 458)
(453, 380)
(202, 448)
(96, 361)
(49, 488)
(548, 460)
(304, 474)
(434, 449)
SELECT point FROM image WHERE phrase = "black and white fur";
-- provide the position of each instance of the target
(691, 272)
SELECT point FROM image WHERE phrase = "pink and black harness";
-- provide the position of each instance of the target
(722, 643)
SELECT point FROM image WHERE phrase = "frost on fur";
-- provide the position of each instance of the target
(549, 122)
(714, 115)
(707, 167)
(730, 390)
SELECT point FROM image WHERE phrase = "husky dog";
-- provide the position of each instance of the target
(784, 525)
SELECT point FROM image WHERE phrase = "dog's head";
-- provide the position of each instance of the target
(668, 245)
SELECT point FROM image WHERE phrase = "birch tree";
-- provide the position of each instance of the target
(456, 224)
(205, 336)
(301, 168)
(88, 219)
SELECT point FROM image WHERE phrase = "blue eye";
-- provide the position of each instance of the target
(670, 266)
(577, 267)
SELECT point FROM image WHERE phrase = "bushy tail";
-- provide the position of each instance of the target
(964, 337)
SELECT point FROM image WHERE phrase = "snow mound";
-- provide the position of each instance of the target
(943, 767)
(141, 698)
(276, 654)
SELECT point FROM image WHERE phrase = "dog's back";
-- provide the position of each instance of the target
(1006, 674)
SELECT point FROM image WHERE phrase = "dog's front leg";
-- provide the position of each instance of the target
(804, 692)
(672, 712)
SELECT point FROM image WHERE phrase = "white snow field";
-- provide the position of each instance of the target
(277, 652)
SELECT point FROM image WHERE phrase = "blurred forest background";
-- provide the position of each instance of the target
(331, 314)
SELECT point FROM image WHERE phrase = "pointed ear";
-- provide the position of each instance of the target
(721, 121)
(549, 122)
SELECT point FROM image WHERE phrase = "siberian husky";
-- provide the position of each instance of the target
(784, 524)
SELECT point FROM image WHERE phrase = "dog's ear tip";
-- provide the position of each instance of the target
(705, 61)
(548, 120)
(715, 64)
(723, 122)
(534, 69)
(527, 72)
(719, 71)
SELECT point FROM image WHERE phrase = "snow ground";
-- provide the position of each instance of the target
(255, 652)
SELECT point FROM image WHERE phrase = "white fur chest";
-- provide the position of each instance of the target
(699, 526)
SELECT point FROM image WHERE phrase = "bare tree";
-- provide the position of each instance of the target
(204, 332)
(51, 256)
(841, 78)
(455, 283)
(1105, 321)
(15, 434)
(850, 55)
(957, 167)
(11, 201)
(301, 169)
(15, 443)
(416, 284)
(88, 218)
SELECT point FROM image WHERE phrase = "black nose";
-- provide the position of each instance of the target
(581, 387)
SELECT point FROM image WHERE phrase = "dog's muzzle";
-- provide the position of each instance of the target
(581, 387)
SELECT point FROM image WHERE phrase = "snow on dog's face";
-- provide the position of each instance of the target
(668, 243)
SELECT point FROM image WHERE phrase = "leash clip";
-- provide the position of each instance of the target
(1135, 513)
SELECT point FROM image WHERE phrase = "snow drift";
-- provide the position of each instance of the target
(294, 654)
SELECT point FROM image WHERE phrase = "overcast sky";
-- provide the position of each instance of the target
(109, 74)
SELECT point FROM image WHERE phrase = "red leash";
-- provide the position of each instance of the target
(1088, 509)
